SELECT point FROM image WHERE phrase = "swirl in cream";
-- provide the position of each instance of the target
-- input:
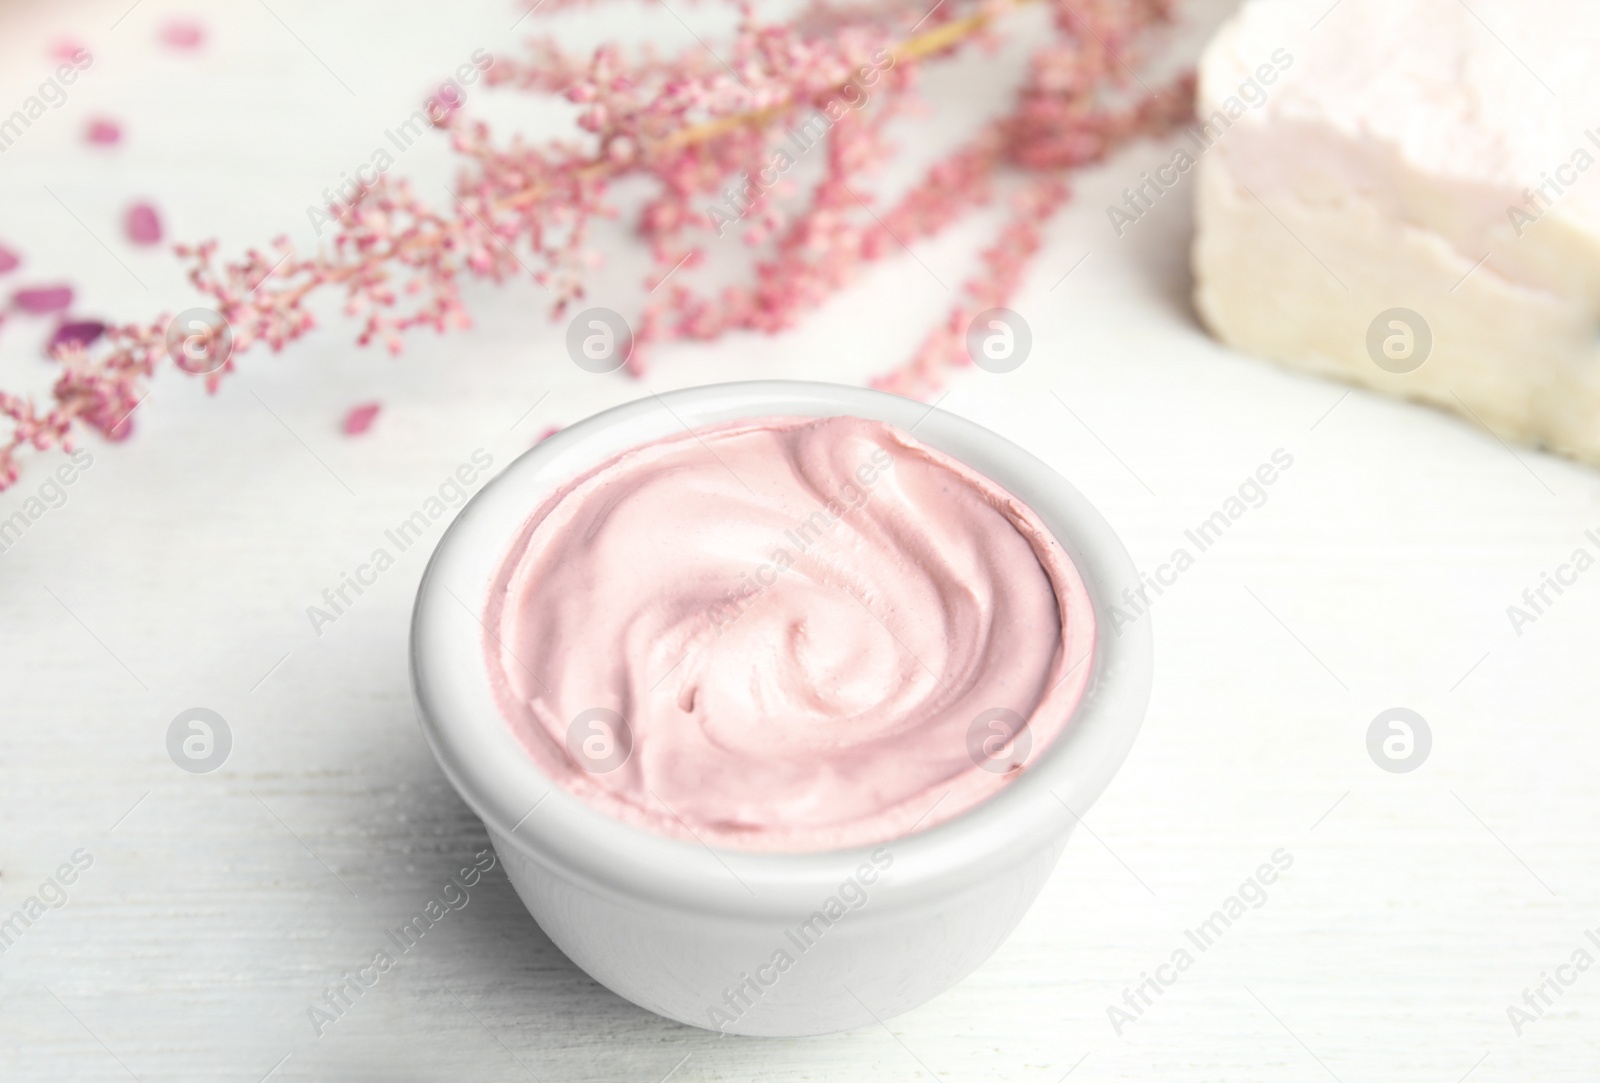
(786, 634)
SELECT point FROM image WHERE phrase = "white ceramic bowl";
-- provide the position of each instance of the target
(745, 942)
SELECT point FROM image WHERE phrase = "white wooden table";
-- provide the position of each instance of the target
(176, 575)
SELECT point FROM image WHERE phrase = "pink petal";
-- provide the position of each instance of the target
(104, 132)
(41, 299)
(547, 434)
(183, 33)
(82, 332)
(445, 101)
(8, 259)
(360, 418)
(67, 50)
(144, 225)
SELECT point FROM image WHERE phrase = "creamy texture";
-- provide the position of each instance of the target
(1414, 158)
(787, 634)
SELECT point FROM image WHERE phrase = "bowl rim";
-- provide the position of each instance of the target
(479, 753)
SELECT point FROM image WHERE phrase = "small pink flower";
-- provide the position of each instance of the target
(360, 418)
(38, 300)
(183, 33)
(103, 132)
(80, 332)
(8, 260)
(144, 224)
(444, 102)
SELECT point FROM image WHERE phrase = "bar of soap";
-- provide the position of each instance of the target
(1415, 205)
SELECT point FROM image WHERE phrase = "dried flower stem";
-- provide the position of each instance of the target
(690, 123)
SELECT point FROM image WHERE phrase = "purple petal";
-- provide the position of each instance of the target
(144, 224)
(8, 259)
(42, 299)
(81, 332)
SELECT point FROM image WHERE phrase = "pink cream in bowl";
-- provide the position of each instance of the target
(786, 634)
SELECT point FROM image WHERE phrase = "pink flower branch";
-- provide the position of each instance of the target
(701, 130)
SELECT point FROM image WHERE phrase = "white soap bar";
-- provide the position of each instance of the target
(1414, 204)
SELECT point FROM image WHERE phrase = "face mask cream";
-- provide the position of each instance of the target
(786, 634)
